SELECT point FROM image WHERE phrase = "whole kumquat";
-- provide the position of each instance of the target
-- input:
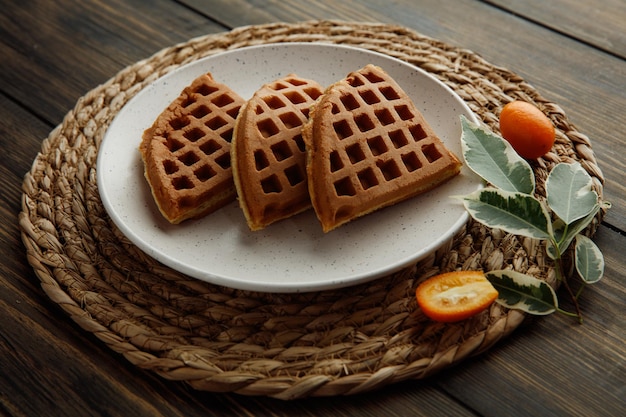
(455, 296)
(527, 129)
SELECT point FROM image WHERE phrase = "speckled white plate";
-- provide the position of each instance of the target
(292, 255)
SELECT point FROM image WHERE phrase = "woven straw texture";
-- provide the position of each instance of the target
(287, 346)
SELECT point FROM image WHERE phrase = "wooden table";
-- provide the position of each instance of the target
(572, 51)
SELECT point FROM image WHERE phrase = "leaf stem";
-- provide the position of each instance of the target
(580, 290)
(558, 266)
(568, 313)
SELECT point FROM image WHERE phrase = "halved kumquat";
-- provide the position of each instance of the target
(455, 296)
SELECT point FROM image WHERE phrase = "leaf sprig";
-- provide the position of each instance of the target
(508, 203)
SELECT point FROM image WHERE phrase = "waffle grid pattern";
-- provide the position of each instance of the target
(280, 119)
(270, 156)
(390, 149)
(199, 144)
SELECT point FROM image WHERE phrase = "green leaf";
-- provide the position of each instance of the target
(523, 292)
(515, 213)
(495, 160)
(569, 192)
(565, 233)
(589, 260)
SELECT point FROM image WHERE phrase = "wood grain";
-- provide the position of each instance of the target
(577, 19)
(54, 52)
(80, 44)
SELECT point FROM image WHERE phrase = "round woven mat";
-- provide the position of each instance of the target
(286, 346)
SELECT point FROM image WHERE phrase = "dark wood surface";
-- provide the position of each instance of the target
(572, 51)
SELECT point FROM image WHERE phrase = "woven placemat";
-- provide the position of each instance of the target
(287, 346)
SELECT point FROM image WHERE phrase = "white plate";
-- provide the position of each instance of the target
(292, 255)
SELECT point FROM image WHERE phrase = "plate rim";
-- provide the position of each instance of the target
(278, 286)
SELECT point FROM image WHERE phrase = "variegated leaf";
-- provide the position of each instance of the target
(515, 213)
(523, 292)
(569, 191)
(589, 260)
(565, 233)
(495, 160)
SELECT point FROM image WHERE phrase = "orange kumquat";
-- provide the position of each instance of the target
(455, 296)
(527, 129)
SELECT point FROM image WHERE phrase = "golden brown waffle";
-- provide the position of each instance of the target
(369, 147)
(268, 154)
(186, 152)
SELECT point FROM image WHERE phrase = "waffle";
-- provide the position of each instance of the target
(268, 154)
(186, 152)
(369, 147)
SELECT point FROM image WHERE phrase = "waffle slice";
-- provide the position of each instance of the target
(186, 152)
(268, 155)
(369, 147)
